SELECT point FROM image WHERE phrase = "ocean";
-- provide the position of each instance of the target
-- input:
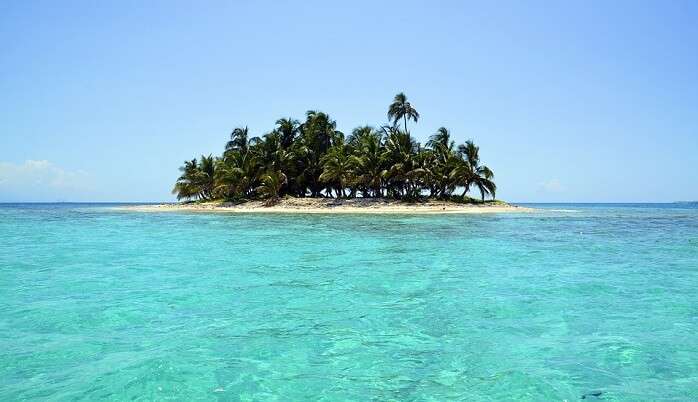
(575, 301)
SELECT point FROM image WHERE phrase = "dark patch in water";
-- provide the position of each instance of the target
(595, 394)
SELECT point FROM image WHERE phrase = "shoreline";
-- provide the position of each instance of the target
(333, 206)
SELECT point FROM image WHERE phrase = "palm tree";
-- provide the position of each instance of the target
(402, 109)
(207, 167)
(336, 168)
(236, 174)
(271, 186)
(471, 173)
(441, 162)
(441, 140)
(400, 152)
(367, 161)
(483, 180)
(317, 134)
(359, 134)
(288, 128)
(238, 140)
(271, 151)
(197, 179)
(185, 187)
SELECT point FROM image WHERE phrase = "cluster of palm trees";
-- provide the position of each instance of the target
(314, 159)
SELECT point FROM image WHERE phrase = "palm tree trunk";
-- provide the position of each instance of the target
(405, 117)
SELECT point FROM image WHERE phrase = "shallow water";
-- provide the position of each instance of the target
(599, 301)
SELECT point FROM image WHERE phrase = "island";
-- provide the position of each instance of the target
(310, 205)
(311, 166)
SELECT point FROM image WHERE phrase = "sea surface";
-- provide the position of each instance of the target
(576, 301)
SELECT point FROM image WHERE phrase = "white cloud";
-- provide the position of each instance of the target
(39, 180)
(551, 186)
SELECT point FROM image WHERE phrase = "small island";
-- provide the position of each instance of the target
(311, 166)
(310, 205)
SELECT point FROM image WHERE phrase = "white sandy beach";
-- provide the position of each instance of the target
(329, 205)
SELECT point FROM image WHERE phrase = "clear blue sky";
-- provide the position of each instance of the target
(570, 101)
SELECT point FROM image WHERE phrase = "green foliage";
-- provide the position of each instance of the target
(314, 159)
(271, 184)
(402, 109)
(197, 180)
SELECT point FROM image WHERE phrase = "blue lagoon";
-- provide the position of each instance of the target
(569, 302)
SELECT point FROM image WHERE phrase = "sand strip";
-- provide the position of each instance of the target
(333, 206)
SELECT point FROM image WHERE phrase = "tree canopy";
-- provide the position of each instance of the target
(314, 159)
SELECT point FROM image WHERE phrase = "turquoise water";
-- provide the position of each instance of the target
(593, 301)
